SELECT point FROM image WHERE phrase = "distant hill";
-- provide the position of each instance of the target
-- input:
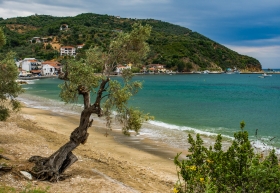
(177, 47)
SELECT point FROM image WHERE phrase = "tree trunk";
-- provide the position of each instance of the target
(52, 167)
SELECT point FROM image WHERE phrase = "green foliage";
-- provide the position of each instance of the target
(9, 88)
(130, 47)
(2, 38)
(7, 189)
(238, 169)
(131, 118)
(81, 73)
(135, 70)
(4, 113)
(30, 189)
(27, 189)
(91, 75)
(170, 44)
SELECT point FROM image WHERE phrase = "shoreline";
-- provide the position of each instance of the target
(158, 134)
(115, 163)
(36, 77)
(261, 72)
(139, 142)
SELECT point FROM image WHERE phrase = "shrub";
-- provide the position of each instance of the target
(238, 169)
(4, 113)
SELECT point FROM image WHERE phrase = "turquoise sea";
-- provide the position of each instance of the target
(197, 103)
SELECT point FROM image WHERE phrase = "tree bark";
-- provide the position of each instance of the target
(52, 167)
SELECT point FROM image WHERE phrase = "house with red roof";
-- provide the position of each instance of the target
(48, 70)
(57, 68)
(156, 68)
(120, 68)
(29, 64)
(80, 46)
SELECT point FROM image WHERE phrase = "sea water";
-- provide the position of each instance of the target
(191, 103)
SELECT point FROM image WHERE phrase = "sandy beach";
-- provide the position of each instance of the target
(115, 163)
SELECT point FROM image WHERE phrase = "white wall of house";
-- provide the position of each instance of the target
(29, 64)
(120, 68)
(47, 70)
(26, 65)
(80, 46)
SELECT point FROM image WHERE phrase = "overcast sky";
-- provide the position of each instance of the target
(250, 27)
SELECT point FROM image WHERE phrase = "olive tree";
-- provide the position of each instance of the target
(9, 88)
(90, 79)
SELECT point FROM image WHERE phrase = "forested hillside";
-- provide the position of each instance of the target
(177, 47)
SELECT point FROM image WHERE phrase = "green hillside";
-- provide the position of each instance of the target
(177, 47)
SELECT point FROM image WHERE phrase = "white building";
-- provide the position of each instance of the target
(80, 46)
(48, 70)
(29, 64)
(120, 68)
(57, 66)
(68, 50)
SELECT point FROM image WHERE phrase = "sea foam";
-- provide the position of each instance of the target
(173, 135)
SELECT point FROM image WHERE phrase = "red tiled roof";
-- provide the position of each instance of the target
(51, 62)
(32, 60)
(53, 65)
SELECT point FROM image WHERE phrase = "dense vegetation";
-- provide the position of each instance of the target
(177, 47)
(9, 88)
(239, 169)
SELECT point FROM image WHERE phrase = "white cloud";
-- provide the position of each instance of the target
(10, 9)
(132, 8)
(268, 56)
(8, 13)
(271, 41)
(223, 21)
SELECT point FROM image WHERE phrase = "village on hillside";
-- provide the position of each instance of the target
(35, 68)
(30, 68)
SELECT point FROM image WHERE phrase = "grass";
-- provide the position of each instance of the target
(28, 189)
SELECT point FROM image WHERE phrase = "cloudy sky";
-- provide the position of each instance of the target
(250, 27)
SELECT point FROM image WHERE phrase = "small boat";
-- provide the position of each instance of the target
(205, 72)
(266, 75)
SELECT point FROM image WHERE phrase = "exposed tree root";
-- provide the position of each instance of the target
(51, 168)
